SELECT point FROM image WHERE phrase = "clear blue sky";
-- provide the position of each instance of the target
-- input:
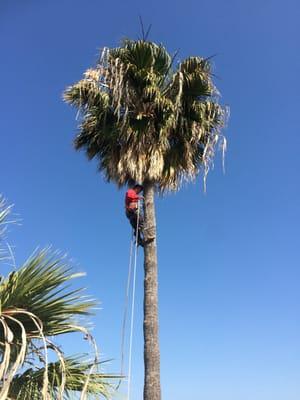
(228, 260)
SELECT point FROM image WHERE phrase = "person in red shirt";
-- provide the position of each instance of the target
(133, 213)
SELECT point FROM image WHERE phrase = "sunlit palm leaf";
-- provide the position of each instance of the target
(40, 286)
(5, 211)
(36, 302)
(28, 385)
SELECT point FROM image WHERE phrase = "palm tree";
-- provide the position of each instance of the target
(37, 305)
(146, 121)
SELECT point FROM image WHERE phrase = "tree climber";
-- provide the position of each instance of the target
(133, 213)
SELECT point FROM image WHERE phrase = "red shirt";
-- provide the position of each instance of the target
(131, 197)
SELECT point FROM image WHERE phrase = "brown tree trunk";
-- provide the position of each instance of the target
(151, 341)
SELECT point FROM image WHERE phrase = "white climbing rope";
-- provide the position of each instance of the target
(126, 309)
(131, 268)
(133, 304)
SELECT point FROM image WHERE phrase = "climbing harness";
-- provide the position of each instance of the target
(131, 277)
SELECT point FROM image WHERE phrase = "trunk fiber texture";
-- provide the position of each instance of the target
(152, 390)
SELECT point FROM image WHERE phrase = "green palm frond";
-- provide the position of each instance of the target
(153, 122)
(192, 81)
(87, 93)
(143, 55)
(28, 385)
(5, 211)
(195, 64)
(36, 302)
(40, 286)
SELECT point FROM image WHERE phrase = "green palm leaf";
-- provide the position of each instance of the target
(36, 302)
(41, 287)
(144, 121)
(28, 385)
(5, 211)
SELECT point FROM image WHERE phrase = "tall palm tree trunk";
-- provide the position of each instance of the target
(151, 341)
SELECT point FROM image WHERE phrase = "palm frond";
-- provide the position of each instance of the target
(87, 93)
(143, 55)
(40, 286)
(5, 211)
(156, 124)
(28, 385)
(36, 302)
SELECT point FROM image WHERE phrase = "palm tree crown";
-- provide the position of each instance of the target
(145, 121)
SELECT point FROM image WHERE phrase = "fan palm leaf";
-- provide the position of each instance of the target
(144, 121)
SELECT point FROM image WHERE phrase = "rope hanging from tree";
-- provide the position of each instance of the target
(131, 279)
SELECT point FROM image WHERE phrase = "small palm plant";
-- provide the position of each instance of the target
(146, 121)
(36, 305)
